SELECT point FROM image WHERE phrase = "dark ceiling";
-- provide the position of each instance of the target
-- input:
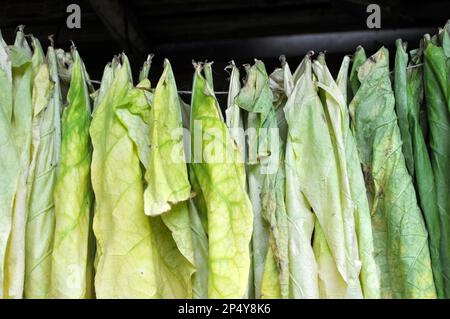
(218, 30)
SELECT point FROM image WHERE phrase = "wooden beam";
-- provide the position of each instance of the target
(121, 25)
(186, 7)
(290, 45)
(180, 26)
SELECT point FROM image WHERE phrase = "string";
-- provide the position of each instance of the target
(224, 92)
(180, 91)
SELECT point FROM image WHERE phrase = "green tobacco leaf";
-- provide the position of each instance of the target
(98, 97)
(112, 147)
(235, 123)
(143, 73)
(137, 256)
(233, 113)
(107, 79)
(303, 268)
(401, 103)
(221, 181)
(166, 175)
(41, 218)
(343, 78)
(135, 118)
(198, 233)
(333, 98)
(245, 100)
(436, 93)
(9, 159)
(260, 236)
(73, 195)
(5, 60)
(270, 283)
(400, 237)
(312, 144)
(266, 184)
(336, 118)
(274, 213)
(6, 96)
(21, 123)
(200, 242)
(256, 97)
(168, 187)
(331, 283)
(424, 176)
(445, 39)
(281, 82)
(358, 58)
(64, 60)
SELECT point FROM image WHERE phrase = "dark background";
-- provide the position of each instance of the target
(218, 30)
